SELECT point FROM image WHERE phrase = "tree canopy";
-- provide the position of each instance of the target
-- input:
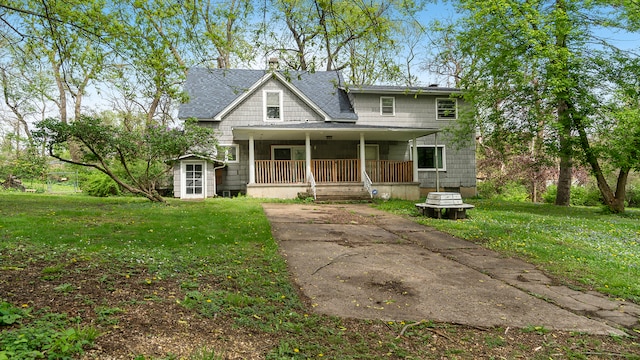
(136, 159)
(534, 72)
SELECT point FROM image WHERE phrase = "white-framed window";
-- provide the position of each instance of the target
(230, 152)
(447, 109)
(427, 157)
(272, 101)
(387, 105)
(288, 152)
(193, 179)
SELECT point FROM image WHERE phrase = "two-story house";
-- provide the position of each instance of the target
(284, 133)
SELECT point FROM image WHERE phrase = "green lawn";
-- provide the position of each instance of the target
(204, 263)
(583, 245)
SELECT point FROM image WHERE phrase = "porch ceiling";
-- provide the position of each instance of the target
(334, 131)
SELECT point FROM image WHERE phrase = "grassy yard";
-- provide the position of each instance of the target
(89, 278)
(581, 245)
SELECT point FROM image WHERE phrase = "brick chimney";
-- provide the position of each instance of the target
(274, 64)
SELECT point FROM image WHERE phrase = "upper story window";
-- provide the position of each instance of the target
(387, 105)
(447, 109)
(272, 100)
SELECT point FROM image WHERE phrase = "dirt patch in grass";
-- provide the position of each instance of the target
(138, 314)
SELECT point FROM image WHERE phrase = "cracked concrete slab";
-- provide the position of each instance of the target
(350, 261)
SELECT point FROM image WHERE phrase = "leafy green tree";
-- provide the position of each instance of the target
(609, 134)
(220, 30)
(530, 71)
(359, 37)
(135, 160)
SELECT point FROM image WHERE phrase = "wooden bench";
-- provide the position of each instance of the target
(444, 205)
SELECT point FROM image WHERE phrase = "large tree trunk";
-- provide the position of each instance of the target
(561, 65)
(74, 149)
(614, 201)
(565, 175)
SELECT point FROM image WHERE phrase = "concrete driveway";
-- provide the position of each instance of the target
(352, 260)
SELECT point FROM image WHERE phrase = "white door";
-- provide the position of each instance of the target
(194, 180)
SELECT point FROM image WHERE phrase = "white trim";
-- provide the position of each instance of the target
(226, 148)
(414, 155)
(307, 154)
(393, 106)
(183, 179)
(443, 160)
(265, 94)
(252, 160)
(455, 102)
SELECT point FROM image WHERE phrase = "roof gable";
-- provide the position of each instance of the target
(214, 92)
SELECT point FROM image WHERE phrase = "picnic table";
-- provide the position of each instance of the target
(444, 205)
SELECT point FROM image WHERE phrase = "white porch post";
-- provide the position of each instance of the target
(437, 164)
(363, 153)
(414, 156)
(307, 153)
(252, 161)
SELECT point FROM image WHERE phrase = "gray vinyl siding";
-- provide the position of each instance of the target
(177, 184)
(420, 111)
(410, 111)
(251, 112)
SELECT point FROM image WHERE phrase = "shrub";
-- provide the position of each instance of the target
(633, 196)
(549, 196)
(513, 191)
(487, 189)
(585, 196)
(98, 184)
(580, 195)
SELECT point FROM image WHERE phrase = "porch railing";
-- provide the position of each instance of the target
(280, 171)
(390, 170)
(333, 170)
(337, 170)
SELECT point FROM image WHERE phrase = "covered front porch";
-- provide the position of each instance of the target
(332, 171)
(324, 160)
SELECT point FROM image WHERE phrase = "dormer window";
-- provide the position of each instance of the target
(387, 105)
(272, 100)
(447, 109)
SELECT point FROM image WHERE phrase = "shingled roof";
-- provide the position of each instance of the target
(212, 91)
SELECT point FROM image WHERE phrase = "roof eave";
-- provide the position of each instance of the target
(400, 91)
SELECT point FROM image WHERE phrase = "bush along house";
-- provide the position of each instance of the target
(287, 134)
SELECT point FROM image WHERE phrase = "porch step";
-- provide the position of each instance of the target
(341, 192)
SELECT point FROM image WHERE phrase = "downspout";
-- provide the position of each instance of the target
(215, 181)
